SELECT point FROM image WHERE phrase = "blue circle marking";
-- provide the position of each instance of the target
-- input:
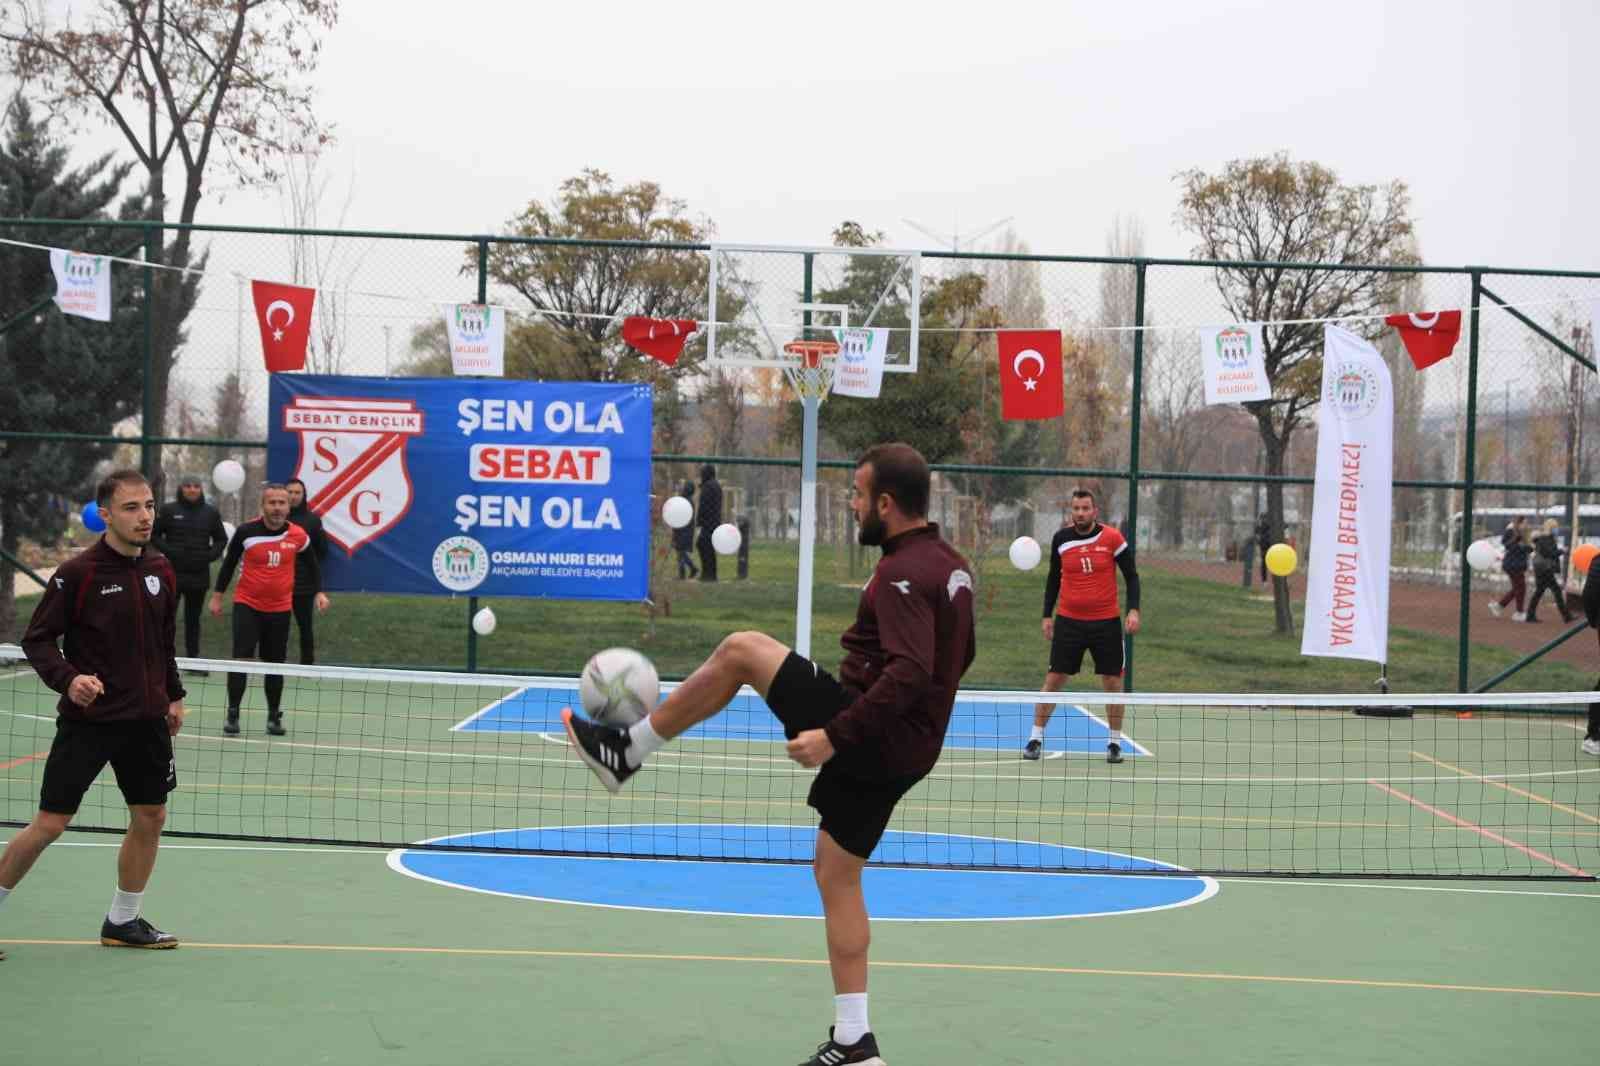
(716, 881)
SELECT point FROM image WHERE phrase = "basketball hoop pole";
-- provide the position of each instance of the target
(808, 523)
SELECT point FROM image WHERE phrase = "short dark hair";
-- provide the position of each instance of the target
(108, 484)
(1078, 494)
(707, 471)
(295, 481)
(273, 486)
(902, 472)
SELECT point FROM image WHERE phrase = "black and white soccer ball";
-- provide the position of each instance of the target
(619, 686)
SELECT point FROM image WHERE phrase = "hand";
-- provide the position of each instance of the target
(216, 604)
(175, 713)
(1049, 627)
(811, 748)
(85, 689)
(1131, 626)
(321, 601)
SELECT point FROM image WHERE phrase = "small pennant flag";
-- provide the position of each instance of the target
(477, 335)
(1030, 374)
(83, 284)
(1428, 337)
(659, 338)
(284, 314)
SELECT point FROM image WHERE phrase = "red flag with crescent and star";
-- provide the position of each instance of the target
(1031, 384)
(284, 314)
(659, 338)
(1428, 337)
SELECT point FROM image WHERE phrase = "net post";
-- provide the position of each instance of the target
(1469, 477)
(1133, 444)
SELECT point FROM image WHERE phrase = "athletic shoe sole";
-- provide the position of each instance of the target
(163, 945)
(607, 778)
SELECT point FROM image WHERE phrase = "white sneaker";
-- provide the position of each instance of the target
(1494, 608)
(1519, 617)
(1591, 746)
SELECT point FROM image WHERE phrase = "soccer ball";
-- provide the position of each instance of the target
(618, 687)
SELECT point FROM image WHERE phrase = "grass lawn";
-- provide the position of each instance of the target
(1199, 635)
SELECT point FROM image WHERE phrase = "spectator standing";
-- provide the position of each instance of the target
(189, 532)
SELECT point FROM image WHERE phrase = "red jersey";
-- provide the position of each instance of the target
(266, 561)
(1083, 581)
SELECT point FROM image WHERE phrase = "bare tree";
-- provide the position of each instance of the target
(327, 264)
(193, 82)
(1257, 215)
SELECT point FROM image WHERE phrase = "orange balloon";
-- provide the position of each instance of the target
(1582, 556)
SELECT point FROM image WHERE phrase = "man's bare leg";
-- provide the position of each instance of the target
(1053, 682)
(747, 658)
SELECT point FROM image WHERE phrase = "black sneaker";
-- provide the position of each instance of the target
(602, 747)
(1032, 750)
(275, 727)
(135, 934)
(231, 726)
(863, 1052)
(1113, 752)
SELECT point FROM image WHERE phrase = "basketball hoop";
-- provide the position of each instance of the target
(810, 368)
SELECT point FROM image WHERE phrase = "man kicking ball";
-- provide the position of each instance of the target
(875, 732)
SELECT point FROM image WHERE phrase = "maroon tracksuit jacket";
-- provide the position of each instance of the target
(118, 615)
(911, 642)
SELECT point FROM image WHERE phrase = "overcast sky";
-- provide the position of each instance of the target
(777, 121)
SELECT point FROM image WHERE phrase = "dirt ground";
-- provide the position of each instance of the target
(1430, 608)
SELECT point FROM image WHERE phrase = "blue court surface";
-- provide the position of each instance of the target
(786, 890)
(976, 724)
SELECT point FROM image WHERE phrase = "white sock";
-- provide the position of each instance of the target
(4, 892)
(850, 1018)
(645, 741)
(1118, 737)
(1037, 733)
(124, 907)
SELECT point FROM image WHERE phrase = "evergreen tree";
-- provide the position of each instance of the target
(58, 374)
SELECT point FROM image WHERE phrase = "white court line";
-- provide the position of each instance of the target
(461, 725)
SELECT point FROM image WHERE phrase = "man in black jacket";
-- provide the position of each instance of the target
(188, 531)
(1591, 610)
(708, 519)
(113, 608)
(305, 586)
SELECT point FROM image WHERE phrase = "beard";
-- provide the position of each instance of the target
(1082, 527)
(872, 532)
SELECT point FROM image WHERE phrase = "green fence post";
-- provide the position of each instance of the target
(1469, 477)
(1133, 440)
(152, 246)
(472, 601)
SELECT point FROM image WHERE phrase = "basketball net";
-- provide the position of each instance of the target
(810, 367)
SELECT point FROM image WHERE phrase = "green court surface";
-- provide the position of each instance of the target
(326, 956)
(323, 953)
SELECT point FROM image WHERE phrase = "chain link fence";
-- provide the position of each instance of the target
(1509, 425)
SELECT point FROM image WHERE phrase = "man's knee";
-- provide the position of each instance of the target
(751, 654)
(51, 824)
(148, 818)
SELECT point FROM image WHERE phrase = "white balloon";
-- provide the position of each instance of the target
(725, 538)
(1482, 555)
(484, 622)
(676, 512)
(1025, 553)
(227, 476)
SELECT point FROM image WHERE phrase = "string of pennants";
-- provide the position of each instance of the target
(1031, 372)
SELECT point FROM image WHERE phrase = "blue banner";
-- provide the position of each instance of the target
(489, 488)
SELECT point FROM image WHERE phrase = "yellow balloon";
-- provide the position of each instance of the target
(1281, 560)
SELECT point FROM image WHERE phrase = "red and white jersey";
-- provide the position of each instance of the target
(266, 565)
(1088, 567)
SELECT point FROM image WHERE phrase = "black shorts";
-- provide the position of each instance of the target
(1101, 638)
(852, 793)
(140, 753)
(269, 629)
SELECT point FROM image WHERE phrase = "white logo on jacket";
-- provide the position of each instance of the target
(903, 586)
(959, 579)
(109, 589)
(152, 583)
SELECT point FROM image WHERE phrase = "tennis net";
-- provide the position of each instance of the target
(1414, 786)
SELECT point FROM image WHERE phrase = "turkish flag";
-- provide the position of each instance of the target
(659, 338)
(1428, 337)
(1030, 374)
(284, 314)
